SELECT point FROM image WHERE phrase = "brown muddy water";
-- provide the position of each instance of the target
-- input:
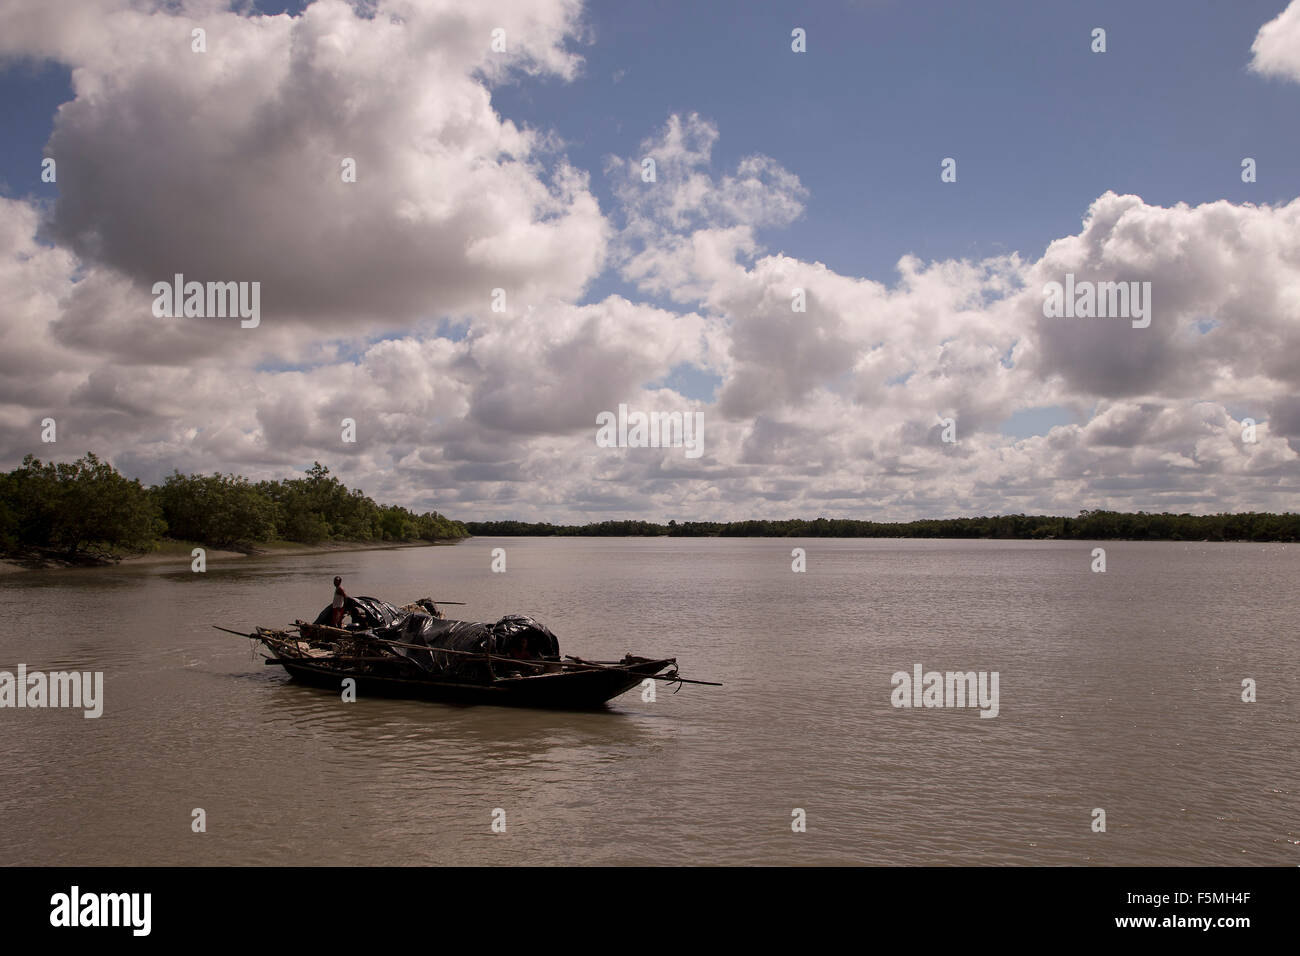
(1119, 691)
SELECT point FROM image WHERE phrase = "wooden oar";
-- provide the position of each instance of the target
(622, 667)
(336, 660)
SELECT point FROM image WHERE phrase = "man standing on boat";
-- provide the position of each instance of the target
(336, 609)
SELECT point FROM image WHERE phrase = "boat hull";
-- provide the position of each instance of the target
(567, 690)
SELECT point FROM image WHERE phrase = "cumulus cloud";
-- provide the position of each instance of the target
(228, 164)
(1225, 289)
(1276, 50)
(377, 297)
(685, 213)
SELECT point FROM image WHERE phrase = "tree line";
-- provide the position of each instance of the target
(87, 506)
(1088, 525)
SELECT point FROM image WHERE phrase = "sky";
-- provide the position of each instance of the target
(921, 378)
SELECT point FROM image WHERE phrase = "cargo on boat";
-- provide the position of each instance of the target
(413, 651)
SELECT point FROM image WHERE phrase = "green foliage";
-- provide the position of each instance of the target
(320, 508)
(89, 506)
(1089, 526)
(84, 506)
(221, 510)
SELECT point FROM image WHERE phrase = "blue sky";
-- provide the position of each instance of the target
(1039, 125)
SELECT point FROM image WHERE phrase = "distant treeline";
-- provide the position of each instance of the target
(1089, 525)
(88, 506)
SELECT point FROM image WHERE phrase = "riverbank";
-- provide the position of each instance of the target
(1087, 526)
(172, 552)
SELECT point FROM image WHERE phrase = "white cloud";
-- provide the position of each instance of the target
(1276, 50)
(227, 165)
(686, 214)
(836, 410)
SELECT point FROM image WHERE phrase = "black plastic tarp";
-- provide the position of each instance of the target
(365, 612)
(515, 635)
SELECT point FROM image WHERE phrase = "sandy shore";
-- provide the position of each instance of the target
(178, 552)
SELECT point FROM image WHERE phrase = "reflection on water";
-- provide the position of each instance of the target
(1119, 691)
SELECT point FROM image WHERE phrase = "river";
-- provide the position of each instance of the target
(1119, 691)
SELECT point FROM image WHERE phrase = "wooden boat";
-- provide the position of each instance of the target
(410, 653)
(573, 687)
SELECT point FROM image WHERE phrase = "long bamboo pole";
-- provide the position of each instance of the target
(574, 662)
